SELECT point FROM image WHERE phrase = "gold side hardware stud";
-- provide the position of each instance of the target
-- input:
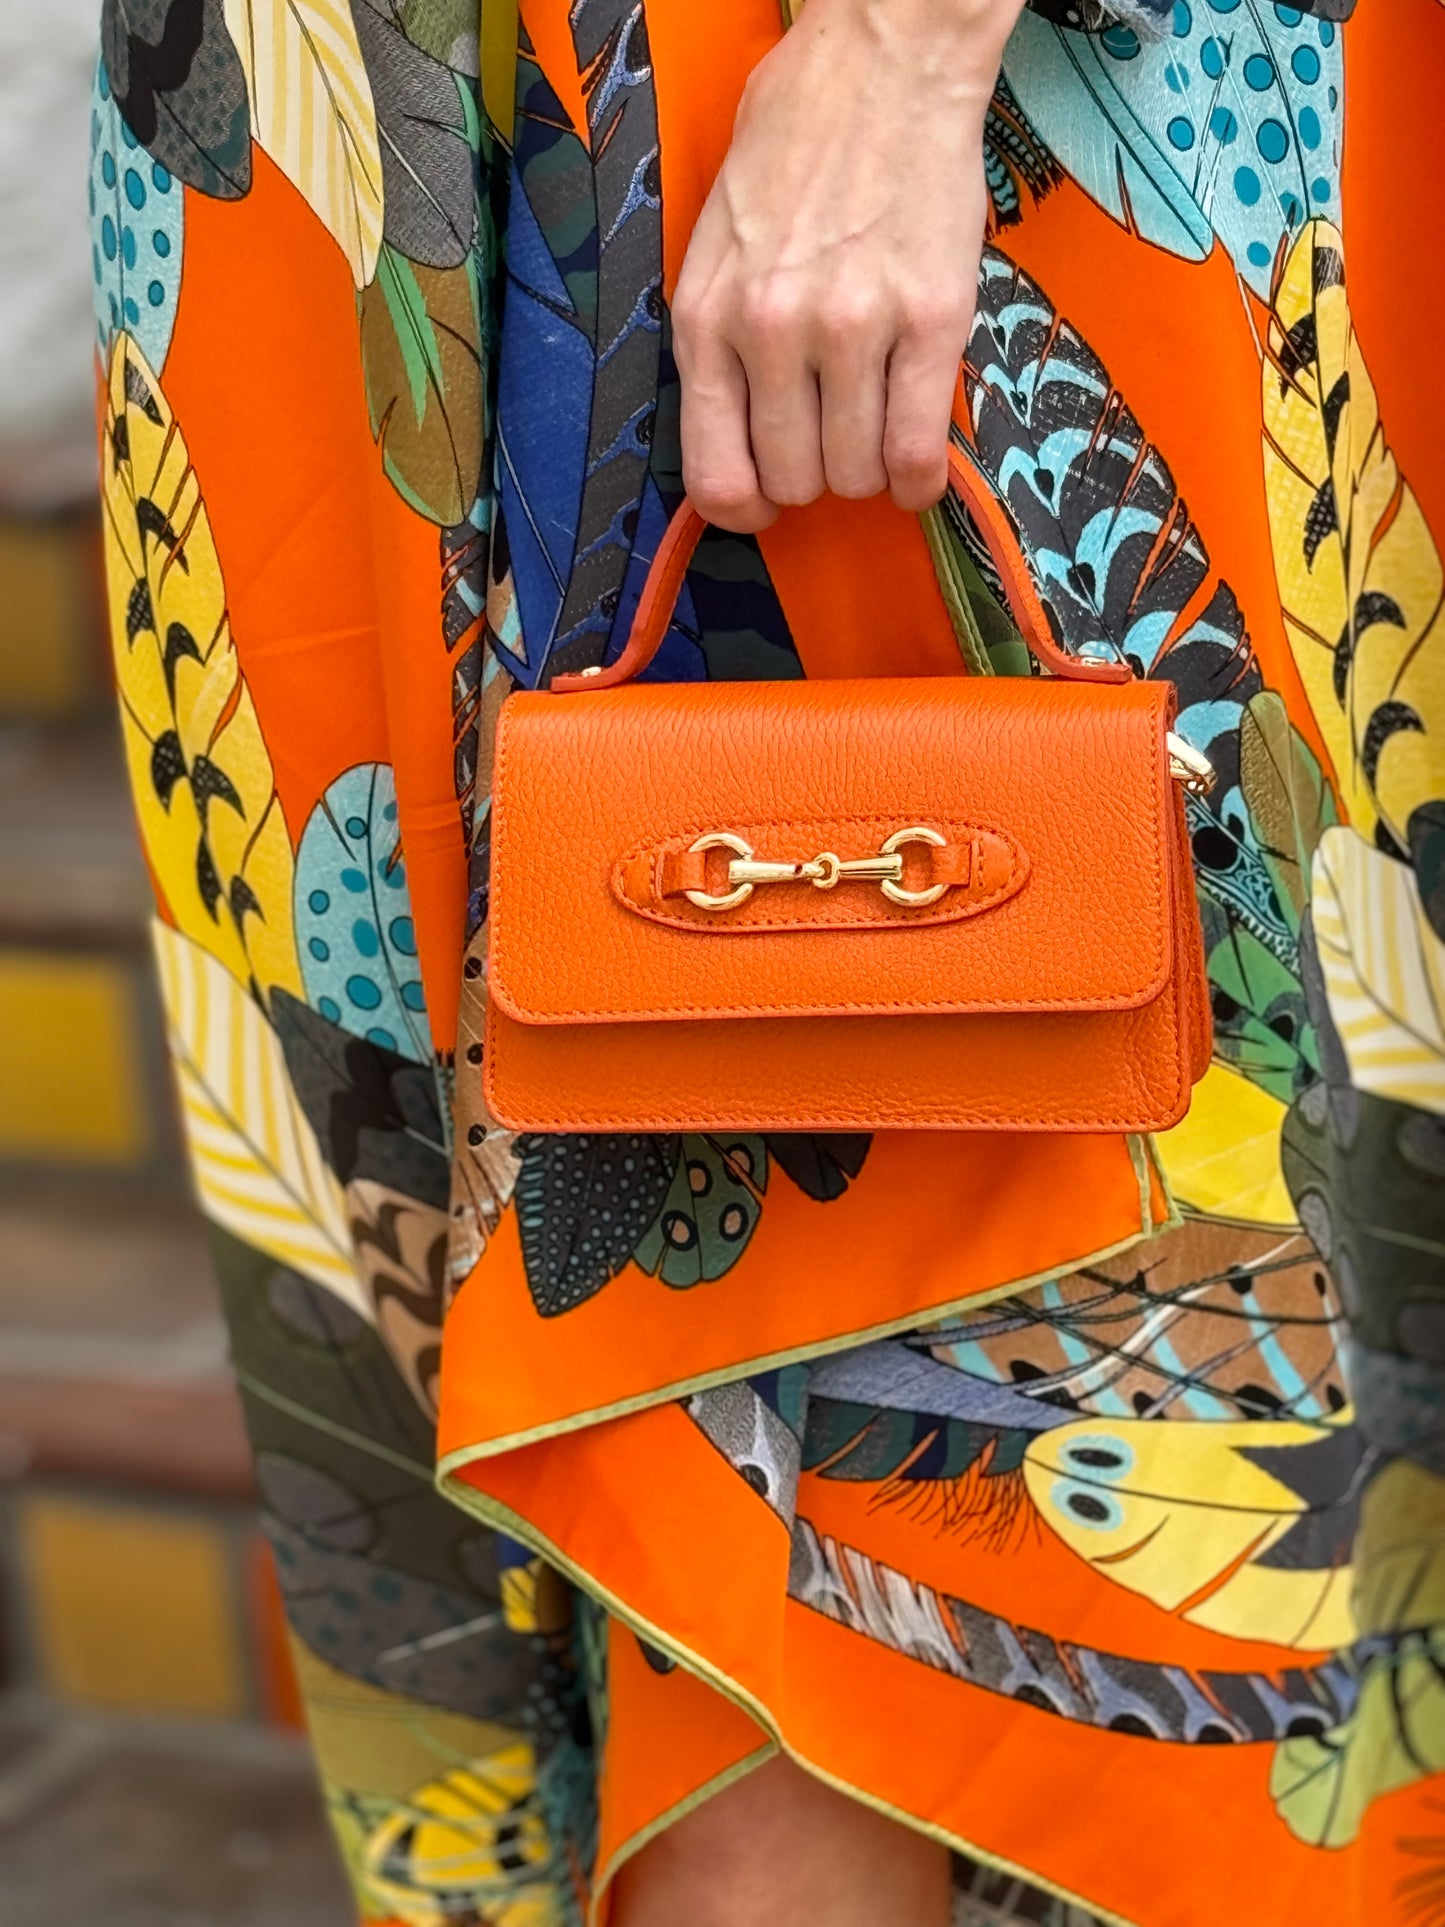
(1188, 766)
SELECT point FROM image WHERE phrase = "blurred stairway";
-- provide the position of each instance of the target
(137, 1602)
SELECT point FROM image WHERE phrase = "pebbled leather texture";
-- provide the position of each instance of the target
(1075, 1003)
(1076, 776)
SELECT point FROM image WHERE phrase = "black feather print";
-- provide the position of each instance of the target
(584, 1202)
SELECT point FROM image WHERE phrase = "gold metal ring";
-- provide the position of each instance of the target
(895, 892)
(721, 840)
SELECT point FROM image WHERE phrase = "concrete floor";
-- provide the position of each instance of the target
(141, 1824)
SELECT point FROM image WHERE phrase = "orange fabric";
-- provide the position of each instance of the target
(336, 654)
(951, 1226)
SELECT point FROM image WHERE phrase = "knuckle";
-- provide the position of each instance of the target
(858, 485)
(915, 456)
(694, 319)
(935, 314)
(721, 498)
(847, 317)
(768, 312)
(792, 490)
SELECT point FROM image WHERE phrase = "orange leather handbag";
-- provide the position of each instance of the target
(961, 903)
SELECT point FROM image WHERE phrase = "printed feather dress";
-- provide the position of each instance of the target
(1079, 1501)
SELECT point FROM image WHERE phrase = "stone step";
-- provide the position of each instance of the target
(84, 1086)
(158, 1823)
(133, 1578)
(112, 1351)
(71, 871)
(54, 653)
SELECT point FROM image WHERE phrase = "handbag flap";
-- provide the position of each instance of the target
(1047, 808)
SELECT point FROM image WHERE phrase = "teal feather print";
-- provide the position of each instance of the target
(136, 222)
(353, 916)
(1015, 161)
(1122, 566)
(710, 1212)
(1229, 127)
(584, 1203)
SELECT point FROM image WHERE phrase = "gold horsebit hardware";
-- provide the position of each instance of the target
(823, 871)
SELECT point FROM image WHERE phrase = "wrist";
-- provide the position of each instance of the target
(960, 41)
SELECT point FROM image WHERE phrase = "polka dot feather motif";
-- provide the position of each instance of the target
(1226, 128)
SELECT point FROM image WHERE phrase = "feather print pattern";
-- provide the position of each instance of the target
(313, 113)
(137, 212)
(428, 132)
(202, 779)
(1228, 126)
(1208, 1321)
(180, 87)
(1016, 162)
(1384, 971)
(1153, 1702)
(585, 255)
(1359, 573)
(1243, 1528)
(1123, 569)
(258, 1168)
(421, 351)
(353, 917)
(1044, 1507)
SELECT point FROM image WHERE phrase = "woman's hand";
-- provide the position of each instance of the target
(828, 290)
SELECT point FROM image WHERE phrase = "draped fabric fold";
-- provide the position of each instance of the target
(1077, 1500)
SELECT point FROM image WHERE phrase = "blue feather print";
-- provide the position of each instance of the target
(353, 916)
(1230, 127)
(580, 354)
(136, 222)
(1117, 557)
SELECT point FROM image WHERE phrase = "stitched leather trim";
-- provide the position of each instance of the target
(1164, 1108)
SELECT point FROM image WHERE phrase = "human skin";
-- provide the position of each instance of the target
(819, 321)
(780, 1849)
(826, 296)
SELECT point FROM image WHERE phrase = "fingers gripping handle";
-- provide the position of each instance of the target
(675, 552)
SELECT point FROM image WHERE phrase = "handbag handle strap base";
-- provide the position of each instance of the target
(675, 552)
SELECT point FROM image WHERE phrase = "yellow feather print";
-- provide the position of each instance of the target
(257, 1166)
(468, 1836)
(312, 111)
(1223, 1160)
(204, 790)
(1359, 575)
(1195, 1515)
(1384, 970)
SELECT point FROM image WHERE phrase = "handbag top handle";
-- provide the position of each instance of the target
(675, 552)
